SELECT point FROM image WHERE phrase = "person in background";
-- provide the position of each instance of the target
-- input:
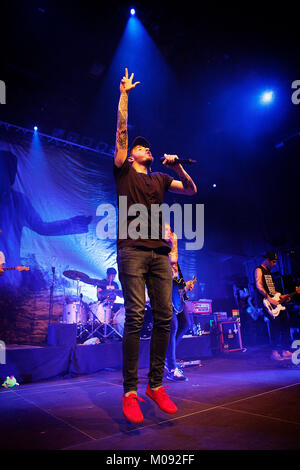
(2, 262)
(107, 284)
(279, 326)
(181, 319)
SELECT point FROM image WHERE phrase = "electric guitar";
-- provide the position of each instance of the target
(179, 292)
(275, 310)
(15, 268)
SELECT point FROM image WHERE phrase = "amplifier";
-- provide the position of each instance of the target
(230, 336)
(198, 306)
(206, 321)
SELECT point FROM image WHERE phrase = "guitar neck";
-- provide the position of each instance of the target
(180, 282)
(17, 268)
(288, 296)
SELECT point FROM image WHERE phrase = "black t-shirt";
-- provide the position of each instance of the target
(267, 280)
(145, 189)
(104, 284)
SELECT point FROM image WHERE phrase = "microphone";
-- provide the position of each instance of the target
(180, 161)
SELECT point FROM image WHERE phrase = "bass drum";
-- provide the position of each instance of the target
(75, 312)
(101, 311)
(119, 320)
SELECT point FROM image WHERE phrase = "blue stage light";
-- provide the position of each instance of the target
(35, 128)
(132, 11)
(214, 185)
(267, 97)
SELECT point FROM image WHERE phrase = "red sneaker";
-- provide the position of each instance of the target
(131, 408)
(162, 399)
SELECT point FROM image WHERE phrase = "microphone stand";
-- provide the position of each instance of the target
(51, 295)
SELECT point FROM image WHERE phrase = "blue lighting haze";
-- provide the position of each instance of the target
(149, 106)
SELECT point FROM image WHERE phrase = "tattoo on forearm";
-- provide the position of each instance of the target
(121, 137)
(186, 181)
(123, 111)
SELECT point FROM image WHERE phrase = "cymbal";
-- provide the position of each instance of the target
(77, 276)
(94, 281)
(117, 292)
(99, 282)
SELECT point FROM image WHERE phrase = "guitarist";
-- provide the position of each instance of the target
(2, 262)
(280, 324)
(181, 320)
(3, 269)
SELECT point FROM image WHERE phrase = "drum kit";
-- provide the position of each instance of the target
(103, 317)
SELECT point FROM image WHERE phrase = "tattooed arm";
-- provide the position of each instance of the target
(186, 185)
(121, 136)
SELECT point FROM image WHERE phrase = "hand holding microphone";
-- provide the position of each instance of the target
(172, 160)
(186, 185)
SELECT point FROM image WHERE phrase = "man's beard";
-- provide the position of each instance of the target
(148, 162)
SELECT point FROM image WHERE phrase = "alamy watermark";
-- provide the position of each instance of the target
(2, 352)
(296, 354)
(296, 94)
(136, 221)
(2, 92)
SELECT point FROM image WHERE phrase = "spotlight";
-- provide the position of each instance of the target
(132, 11)
(214, 185)
(267, 97)
(35, 128)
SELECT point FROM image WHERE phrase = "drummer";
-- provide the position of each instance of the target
(106, 284)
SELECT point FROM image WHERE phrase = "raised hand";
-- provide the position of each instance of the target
(189, 285)
(126, 83)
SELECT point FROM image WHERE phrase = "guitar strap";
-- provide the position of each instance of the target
(185, 297)
(180, 273)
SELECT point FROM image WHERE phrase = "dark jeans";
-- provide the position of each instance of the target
(137, 268)
(180, 324)
(279, 330)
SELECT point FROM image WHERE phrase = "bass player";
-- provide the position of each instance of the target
(279, 325)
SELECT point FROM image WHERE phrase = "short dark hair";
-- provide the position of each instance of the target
(271, 255)
(111, 271)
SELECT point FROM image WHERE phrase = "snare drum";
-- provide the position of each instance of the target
(74, 312)
(101, 311)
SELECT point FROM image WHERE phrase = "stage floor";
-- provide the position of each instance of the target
(242, 400)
